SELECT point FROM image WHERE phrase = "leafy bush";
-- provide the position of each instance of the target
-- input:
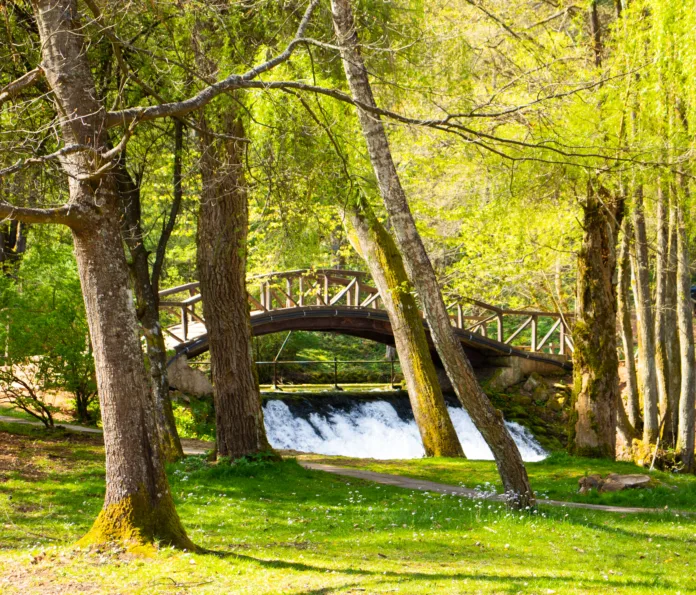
(44, 332)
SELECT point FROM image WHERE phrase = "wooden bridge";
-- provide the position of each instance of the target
(340, 301)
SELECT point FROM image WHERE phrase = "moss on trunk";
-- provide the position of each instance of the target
(136, 522)
(592, 427)
(386, 266)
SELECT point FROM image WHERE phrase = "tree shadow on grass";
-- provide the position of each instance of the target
(596, 585)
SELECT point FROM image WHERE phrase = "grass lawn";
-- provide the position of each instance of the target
(278, 528)
(555, 478)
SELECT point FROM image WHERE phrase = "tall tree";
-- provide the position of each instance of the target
(146, 283)
(595, 360)
(625, 324)
(685, 313)
(138, 505)
(223, 221)
(645, 321)
(487, 419)
(377, 247)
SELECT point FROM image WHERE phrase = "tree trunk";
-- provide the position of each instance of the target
(377, 247)
(646, 326)
(662, 363)
(671, 338)
(222, 243)
(138, 505)
(624, 318)
(147, 303)
(487, 419)
(595, 359)
(685, 312)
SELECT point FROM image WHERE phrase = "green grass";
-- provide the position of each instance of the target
(555, 478)
(278, 528)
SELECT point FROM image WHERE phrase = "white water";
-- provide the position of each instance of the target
(375, 430)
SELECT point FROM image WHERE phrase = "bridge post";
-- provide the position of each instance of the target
(534, 334)
(301, 290)
(336, 387)
(499, 319)
(275, 375)
(561, 332)
(460, 316)
(184, 322)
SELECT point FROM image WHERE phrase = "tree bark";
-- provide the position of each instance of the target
(662, 362)
(625, 326)
(147, 304)
(646, 326)
(595, 360)
(672, 336)
(685, 312)
(377, 247)
(222, 243)
(138, 505)
(487, 419)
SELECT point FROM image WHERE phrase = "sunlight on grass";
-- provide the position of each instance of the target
(278, 528)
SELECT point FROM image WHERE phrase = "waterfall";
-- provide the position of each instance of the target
(374, 429)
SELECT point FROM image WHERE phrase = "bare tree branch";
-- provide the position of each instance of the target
(15, 87)
(180, 108)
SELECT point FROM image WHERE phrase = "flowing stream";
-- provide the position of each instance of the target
(378, 429)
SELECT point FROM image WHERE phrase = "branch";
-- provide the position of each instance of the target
(168, 226)
(23, 82)
(63, 152)
(234, 81)
(64, 215)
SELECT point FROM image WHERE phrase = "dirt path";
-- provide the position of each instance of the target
(409, 483)
(191, 447)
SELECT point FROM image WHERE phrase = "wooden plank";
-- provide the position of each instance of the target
(546, 338)
(520, 328)
(534, 333)
(343, 292)
(178, 289)
(368, 301)
(171, 334)
(255, 302)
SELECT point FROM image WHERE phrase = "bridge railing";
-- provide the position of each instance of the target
(338, 287)
(534, 330)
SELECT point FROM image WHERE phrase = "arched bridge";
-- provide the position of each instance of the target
(340, 301)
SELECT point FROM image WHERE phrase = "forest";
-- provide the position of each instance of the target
(338, 296)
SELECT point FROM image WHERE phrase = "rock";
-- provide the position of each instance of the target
(611, 485)
(589, 482)
(505, 377)
(562, 398)
(524, 400)
(554, 405)
(533, 382)
(188, 380)
(541, 393)
(632, 481)
(612, 482)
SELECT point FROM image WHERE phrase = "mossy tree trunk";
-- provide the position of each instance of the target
(147, 304)
(595, 360)
(377, 247)
(420, 271)
(645, 322)
(222, 243)
(138, 506)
